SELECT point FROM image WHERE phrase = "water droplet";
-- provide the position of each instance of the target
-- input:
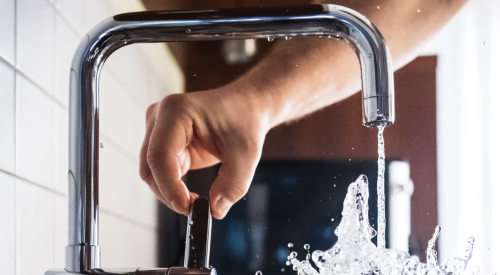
(329, 36)
(370, 55)
(352, 148)
(270, 38)
(307, 246)
(258, 273)
(293, 255)
(191, 237)
(188, 31)
(353, 30)
(245, 198)
(288, 37)
(315, 96)
(378, 7)
(484, 43)
(282, 270)
(334, 185)
(332, 219)
(288, 263)
(418, 10)
(190, 222)
(194, 75)
(101, 145)
(192, 247)
(290, 245)
(349, 159)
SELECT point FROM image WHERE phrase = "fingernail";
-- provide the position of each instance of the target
(178, 207)
(224, 205)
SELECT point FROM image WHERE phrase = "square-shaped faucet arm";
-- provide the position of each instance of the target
(83, 252)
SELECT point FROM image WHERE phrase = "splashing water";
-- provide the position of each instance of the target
(355, 254)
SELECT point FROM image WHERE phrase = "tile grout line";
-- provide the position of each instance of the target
(80, 33)
(127, 219)
(43, 90)
(64, 16)
(48, 189)
(137, 101)
(25, 76)
(16, 212)
(55, 132)
(60, 194)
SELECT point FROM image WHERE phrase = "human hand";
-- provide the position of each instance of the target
(201, 129)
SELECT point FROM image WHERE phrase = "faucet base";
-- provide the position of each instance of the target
(83, 257)
(139, 271)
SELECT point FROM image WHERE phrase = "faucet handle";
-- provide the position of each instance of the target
(199, 230)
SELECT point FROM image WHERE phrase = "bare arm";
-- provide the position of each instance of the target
(307, 74)
(300, 76)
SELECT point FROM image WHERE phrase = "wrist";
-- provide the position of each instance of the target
(263, 98)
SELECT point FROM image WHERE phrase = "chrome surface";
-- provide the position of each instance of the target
(198, 233)
(83, 252)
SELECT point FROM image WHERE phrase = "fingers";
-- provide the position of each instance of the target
(233, 180)
(144, 170)
(167, 145)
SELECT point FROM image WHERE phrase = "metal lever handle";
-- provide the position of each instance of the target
(199, 230)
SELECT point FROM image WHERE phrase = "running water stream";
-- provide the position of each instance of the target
(381, 187)
(355, 254)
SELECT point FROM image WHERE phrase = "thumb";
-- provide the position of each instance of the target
(233, 180)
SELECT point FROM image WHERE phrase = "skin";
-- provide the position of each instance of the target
(228, 125)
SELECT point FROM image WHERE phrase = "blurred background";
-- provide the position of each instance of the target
(442, 151)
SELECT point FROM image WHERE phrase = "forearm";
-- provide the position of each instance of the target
(306, 74)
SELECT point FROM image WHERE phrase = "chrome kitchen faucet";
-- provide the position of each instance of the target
(83, 252)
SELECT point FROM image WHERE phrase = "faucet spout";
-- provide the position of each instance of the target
(83, 253)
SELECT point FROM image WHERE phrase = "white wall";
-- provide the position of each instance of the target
(37, 41)
(468, 94)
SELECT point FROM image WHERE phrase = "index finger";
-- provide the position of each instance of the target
(168, 142)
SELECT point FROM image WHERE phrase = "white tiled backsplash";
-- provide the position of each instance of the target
(37, 41)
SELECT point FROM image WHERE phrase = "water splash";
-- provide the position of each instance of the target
(355, 254)
(431, 252)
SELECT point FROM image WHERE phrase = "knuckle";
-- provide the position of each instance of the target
(145, 175)
(234, 192)
(154, 158)
(151, 111)
(173, 102)
(251, 148)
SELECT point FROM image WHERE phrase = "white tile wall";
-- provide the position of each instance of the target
(8, 224)
(35, 227)
(37, 41)
(7, 116)
(35, 143)
(7, 26)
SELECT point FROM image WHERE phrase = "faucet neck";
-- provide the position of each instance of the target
(83, 252)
